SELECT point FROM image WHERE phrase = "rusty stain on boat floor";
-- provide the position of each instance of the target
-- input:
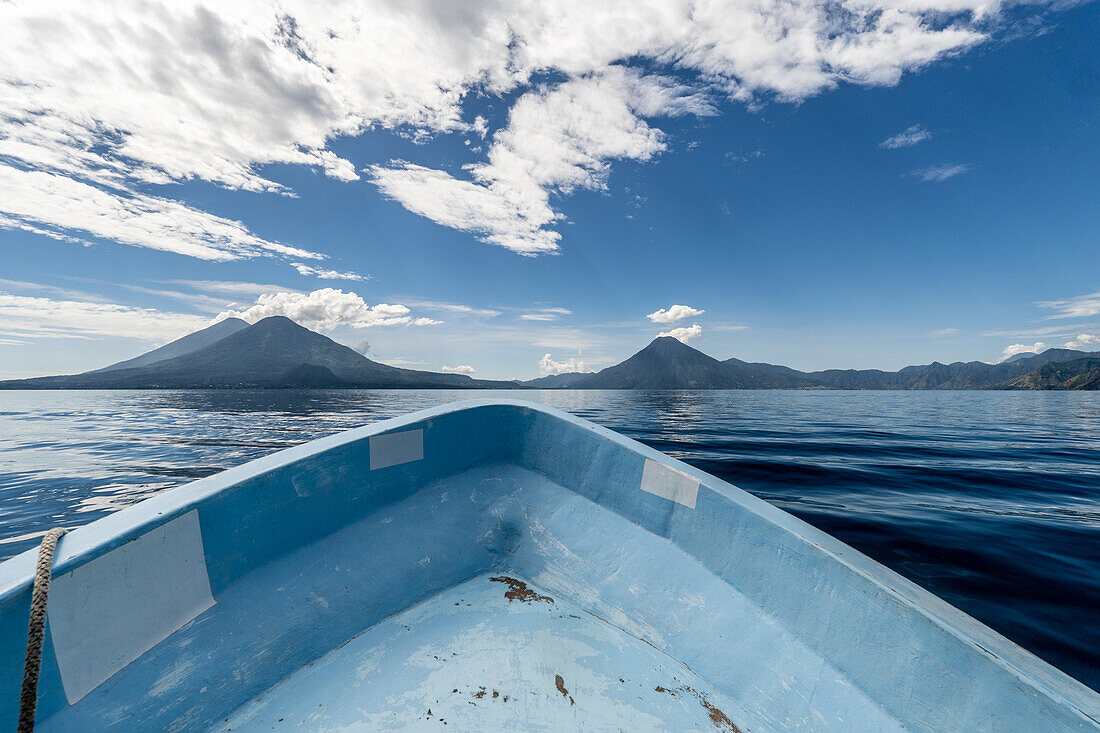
(518, 590)
(719, 718)
(560, 684)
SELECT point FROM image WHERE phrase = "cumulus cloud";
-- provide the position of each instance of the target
(1015, 349)
(323, 274)
(684, 334)
(548, 366)
(23, 317)
(674, 313)
(1083, 341)
(556, 140)
(325, 309)
(115, 97)
(460, 369)
(940, 173)
(906, 138)
(1081, 306)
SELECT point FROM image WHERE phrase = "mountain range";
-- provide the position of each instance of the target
(276, 352)
(666, 363)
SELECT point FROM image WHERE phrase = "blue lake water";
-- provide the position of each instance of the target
(989, 499)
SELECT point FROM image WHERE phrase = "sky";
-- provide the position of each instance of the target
(517, 189)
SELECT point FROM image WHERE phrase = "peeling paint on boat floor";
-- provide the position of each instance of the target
(474, 659)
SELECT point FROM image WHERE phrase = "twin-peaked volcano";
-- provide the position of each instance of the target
(274, 352)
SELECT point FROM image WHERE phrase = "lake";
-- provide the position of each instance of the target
(991, 500)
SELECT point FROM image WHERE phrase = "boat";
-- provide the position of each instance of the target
(498, 565)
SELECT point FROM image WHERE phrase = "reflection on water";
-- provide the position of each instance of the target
(989, 499)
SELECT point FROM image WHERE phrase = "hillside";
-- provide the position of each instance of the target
(190, 343)
(1079, 374)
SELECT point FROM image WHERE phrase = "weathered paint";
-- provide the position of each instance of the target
(335, 568)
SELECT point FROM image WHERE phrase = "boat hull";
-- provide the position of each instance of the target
(358, 581)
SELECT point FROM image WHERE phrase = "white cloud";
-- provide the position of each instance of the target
(1052, 331)
(233, 288)
(1081, 306)
(943, 332)
(546, 314)
(400, 362)
(674, 313)
(325, 309)
(310, 271)
(906, 138)
(1014, 349)
(548, 366)
(684, 334)
(113, 97)
(460, 369)
(1083, 341)
(453, 308)
(940, 173)
(23, 317)
(59, 202)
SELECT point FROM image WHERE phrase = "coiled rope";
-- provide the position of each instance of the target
(36, 633)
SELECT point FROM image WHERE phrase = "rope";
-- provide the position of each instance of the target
(36, 633)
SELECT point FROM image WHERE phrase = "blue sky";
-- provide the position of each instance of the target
(882, 194)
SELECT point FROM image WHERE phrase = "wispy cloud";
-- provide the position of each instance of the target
(1081, 306)
(906, 138)
(457, 308)
(1047, 331)
(27, 317)
(64, 203)
(940, 173)
(402, 362)
(943, 332)
(545, 314)
(234, 288)
(63, 293)
(323, 274)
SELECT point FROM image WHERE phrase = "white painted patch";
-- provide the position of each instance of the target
(393, 449)
(663, 481)
(107, 613)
